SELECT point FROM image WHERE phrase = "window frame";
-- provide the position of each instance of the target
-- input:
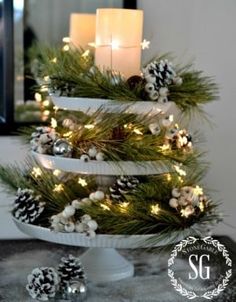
(8, 125)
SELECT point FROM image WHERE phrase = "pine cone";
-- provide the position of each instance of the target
(42, 283)
(27, 206)
(70, 268)
(42, 140)
(161, 73)
(122, 186)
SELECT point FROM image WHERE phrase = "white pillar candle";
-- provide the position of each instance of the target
(82, 29)
(118, 40)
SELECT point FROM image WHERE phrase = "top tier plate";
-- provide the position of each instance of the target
(91, 105)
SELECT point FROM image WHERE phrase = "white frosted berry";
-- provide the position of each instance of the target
(173, 203)
(99, 195)
(70, 227)
(84, 157)
(92, 196)
(85, 218)
(175, 192)
(162, 100)
(92, 152)
(155, 128)
(153, 95)
(76, 204)
(68, 211)
(80, 227)
(92, 224)
(100, 156)
(163, 91)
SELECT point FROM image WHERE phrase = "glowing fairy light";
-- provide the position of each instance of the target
(186, 212)
(124, 206)
(82, 182)
(201, 206)
(68, 134)
(44, 88)
(58, 188)
(168, 177)
(66, 39)
(165, 147)
(46, 112)
(38, 97)
(56, 172)
(104, 207)
(46, 78)
(180, 171)
(55, 108)
(198, 191)
(53, 122)
(92, 44)
(54, 60)
(66, 47)
(145, 44)
(137, 131)
(86, 53)
(115, 45)
(155, 209)
(89, 126)
(36, 172)
(46, 103)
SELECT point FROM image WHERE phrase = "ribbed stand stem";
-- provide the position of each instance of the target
(106, 264)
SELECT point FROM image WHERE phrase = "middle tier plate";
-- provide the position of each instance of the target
(91, 105)
(94, 167)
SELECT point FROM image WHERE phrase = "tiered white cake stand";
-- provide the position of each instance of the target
(102, 262)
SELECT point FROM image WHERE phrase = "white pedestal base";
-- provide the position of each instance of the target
(105, 264)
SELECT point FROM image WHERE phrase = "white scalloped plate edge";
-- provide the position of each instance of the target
(94, 167)
(91, 105)
(100, 240)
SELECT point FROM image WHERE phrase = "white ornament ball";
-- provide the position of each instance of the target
(92, 152)
(163, 91)
(68, 211)
(100, 156)
(99, 195)
(92, 224)
(76, 204)
(70, 227)
(173, 203)
(84, 157)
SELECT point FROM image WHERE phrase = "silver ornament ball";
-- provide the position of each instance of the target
(62, 148)
(76, 290)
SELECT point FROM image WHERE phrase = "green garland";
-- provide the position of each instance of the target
(112, 217)
(73, 74)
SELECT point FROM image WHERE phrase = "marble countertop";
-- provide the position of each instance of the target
(150, 283)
